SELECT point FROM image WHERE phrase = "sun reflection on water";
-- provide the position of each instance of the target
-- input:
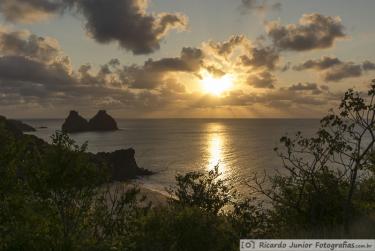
(216, 147)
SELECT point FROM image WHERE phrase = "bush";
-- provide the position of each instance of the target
(185, 229)
(203, 190)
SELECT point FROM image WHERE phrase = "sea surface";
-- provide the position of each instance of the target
(169, 146)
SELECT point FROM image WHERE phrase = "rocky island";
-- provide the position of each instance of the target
(75, 123)
(100, 122)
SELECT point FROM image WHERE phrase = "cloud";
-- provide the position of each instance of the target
(42, 78)
(262, 56)
(23, 43)
(251, 55)
(153, 73)
(262, 80)
(126, 22)
(123, 21)
(248, 6)
(313, 87)
(28, 11)
(333, 69)
(321, 64)
(368, 66)
(341, 71)
(190, 60)
(238, 55)
(226, 48)
(20, 72)
(313, 31)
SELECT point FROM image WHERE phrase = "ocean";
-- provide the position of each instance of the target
(240, 147)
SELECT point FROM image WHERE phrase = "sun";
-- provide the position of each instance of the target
(216, 86)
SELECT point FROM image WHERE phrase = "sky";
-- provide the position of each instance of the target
(183, 59)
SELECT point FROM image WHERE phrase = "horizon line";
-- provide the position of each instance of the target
(175, 118)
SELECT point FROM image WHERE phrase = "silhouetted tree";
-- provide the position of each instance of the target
(322, 174)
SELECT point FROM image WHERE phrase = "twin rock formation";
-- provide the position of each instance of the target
(100, 122)
(121, 163)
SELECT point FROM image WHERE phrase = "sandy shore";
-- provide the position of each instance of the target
(155, 197)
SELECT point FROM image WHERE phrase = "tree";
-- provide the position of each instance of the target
(322, 174)
(203, 190)
(53, 197)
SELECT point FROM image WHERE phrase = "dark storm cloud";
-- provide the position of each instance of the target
(262, 80)
(122, 21)
(333, 69)
(314, 31)
(262, 56)
(248, 6)
(22, 43)
(126, 22)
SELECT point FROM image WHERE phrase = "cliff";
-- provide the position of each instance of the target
(122, 164)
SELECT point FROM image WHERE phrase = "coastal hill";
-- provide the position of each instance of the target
(100, 122)
(121, 163)
(21, 126)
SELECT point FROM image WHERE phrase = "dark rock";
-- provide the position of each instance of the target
(75, 123)
(22, 126)
(102, 122)
(122, 164)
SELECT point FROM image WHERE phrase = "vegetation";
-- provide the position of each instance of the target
(53, 198)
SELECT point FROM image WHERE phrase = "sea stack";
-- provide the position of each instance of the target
(122, 164)
(75, 123)
(102, 122)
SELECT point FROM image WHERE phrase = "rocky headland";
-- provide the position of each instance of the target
(121, 163)
(21, 126)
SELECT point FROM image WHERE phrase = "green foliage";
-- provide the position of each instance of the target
(115, 217)
(205, 191)
(185, 229)
(250, 219)
(54, 197)
(325, 180)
